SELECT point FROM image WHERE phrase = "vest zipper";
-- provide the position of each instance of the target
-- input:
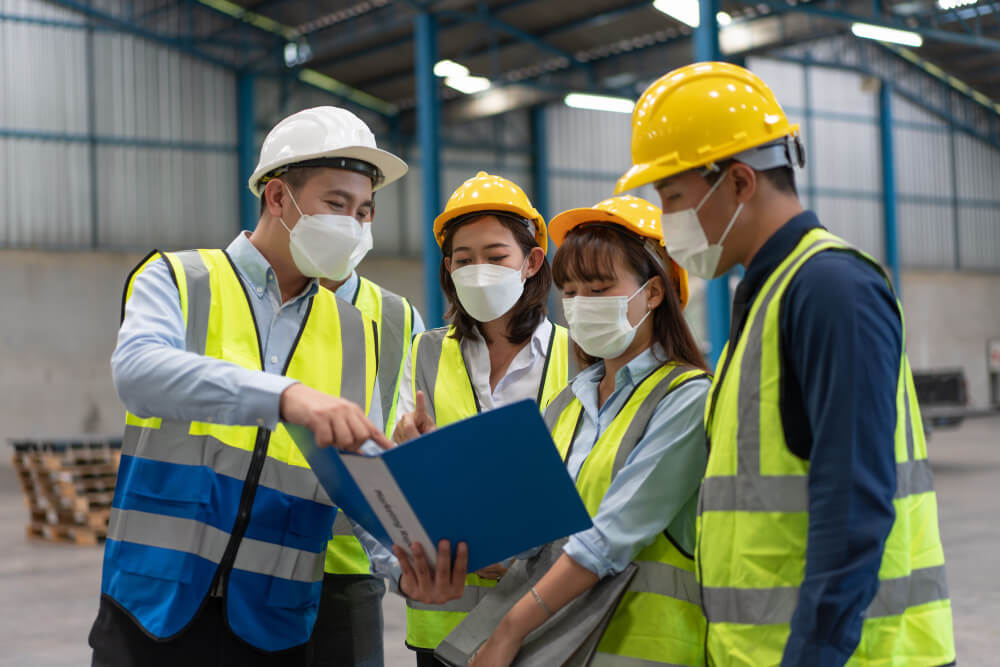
(243, 513)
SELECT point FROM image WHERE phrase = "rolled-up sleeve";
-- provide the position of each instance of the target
(155, 375)
(656, 488)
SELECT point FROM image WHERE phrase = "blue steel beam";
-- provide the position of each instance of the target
(717, 300)
(246, 138)
(428, 131)
(888, 184)
(921, 29)
(540, 183)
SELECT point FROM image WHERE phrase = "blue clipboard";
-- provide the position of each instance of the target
(494, 481)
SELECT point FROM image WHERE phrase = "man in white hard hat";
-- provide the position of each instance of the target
(218, 529)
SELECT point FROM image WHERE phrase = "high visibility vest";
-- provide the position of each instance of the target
(207, 509)
(658, 620)
(393, 316)
(439, 371)
(753, 510)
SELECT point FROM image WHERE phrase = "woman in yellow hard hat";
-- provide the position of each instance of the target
(630, 429)
(499, 348)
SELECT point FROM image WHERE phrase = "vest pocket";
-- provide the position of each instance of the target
(167, 484)
(156, 564)
(287, 594)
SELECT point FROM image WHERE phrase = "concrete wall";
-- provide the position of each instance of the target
(61, 316)
(949, 318)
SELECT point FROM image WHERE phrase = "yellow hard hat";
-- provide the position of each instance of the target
(632, 213)
(703, 113)
(485, 192)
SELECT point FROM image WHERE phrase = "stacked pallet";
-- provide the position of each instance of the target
(68, 487)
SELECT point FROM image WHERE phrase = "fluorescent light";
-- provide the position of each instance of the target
(722, 18)
(883, 34)
(446, 68)
(599, 102)
(685, 11)
(952, 4)
(468, 84)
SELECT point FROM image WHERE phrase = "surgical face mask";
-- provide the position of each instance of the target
(488, 291)
(687, 242)
(327, 246)
(599, 324)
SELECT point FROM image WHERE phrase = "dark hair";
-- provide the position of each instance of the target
(781, 179)
(530, 309)
(589, 253)
(295, 178)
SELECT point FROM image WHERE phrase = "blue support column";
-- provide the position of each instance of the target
(247, 149)
(540, 185)
(717, 299)
(428, 130)
(889, 185)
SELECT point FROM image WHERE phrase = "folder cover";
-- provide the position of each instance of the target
(494, 481)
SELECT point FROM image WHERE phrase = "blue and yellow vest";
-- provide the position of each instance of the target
(233, 511)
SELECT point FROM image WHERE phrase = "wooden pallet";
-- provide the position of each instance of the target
(64, 534)
(68, 488)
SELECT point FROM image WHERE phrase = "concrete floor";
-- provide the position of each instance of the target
(50, 591)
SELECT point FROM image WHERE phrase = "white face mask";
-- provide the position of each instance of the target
(687, 242)
(599, 324)
(326, 245)
(488, 291)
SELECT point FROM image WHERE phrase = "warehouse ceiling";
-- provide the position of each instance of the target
(533, 50)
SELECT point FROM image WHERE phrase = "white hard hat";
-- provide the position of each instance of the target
(326, 136)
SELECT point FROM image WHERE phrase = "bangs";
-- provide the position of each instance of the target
(589, 253)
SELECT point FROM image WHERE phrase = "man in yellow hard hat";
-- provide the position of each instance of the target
(817, 538)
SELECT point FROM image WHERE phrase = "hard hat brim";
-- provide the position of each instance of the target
(391, 166)
(441, 222)
(561, 225)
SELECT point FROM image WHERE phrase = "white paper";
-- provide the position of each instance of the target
(379, 488)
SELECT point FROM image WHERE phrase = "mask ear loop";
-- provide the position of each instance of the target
(294, 203)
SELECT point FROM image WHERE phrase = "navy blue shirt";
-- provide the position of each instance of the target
(841, 337)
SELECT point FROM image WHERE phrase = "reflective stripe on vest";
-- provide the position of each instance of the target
(234, 509)
(665, 586)
(439, 371)
(393, 316)
(753, 508)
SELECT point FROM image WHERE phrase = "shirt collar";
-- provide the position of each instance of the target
(349, 289)
(539, 337)
(255, 267)
(776, 249)
(630, 374)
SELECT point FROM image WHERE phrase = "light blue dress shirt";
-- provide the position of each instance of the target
(156, 376)
(657, 488)
(350, 288)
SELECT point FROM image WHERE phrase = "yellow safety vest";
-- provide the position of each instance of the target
(393, 316)
(439, 371)
(204, 507)
(658, 621)
(754, 510)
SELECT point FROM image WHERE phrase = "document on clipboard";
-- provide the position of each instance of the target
(494, 481)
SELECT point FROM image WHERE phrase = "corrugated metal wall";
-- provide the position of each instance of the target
(948, 199)
(109, 141)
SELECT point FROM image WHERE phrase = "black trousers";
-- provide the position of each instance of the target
(349, 627)
(425, 658)
(118, 641)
